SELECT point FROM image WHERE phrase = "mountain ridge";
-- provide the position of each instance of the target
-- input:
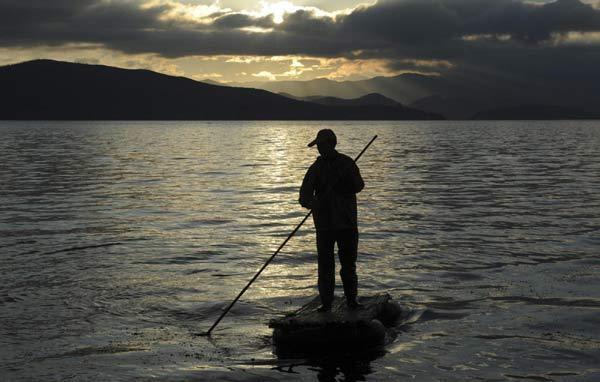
(56, 90)
(456, 95)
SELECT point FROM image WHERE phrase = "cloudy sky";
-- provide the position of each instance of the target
(237, 40)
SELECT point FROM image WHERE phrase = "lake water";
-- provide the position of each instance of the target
(119, 241)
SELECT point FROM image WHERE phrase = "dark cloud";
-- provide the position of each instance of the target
(38, 22)
(404, 28)
(434, 22)
(403, 22)
(307, 23)
(240, 20)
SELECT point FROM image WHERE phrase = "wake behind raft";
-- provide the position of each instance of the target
(308, 330)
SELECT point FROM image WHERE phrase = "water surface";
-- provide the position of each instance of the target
(119, 241)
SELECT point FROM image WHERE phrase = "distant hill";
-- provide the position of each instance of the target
(54, 90)
(366, 100)
(212, 82)
(451, 107)
(455, 95)
(535, 112)
(288, 95)
(404, 88)
(408, 89)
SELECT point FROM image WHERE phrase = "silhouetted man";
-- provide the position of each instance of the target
(329, 189)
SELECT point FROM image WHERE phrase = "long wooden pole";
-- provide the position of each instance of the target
(272, 257)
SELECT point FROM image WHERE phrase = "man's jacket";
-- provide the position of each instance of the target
(329, 188)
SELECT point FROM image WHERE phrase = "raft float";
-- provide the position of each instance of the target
(370, 326)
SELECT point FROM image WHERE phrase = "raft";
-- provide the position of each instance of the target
(367, 327)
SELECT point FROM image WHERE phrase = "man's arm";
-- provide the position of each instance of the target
(350, 182)
(357, 181)
(307, 190)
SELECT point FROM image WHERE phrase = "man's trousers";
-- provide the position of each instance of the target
(347, 241)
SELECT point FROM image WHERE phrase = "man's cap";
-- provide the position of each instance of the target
(325, 135)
